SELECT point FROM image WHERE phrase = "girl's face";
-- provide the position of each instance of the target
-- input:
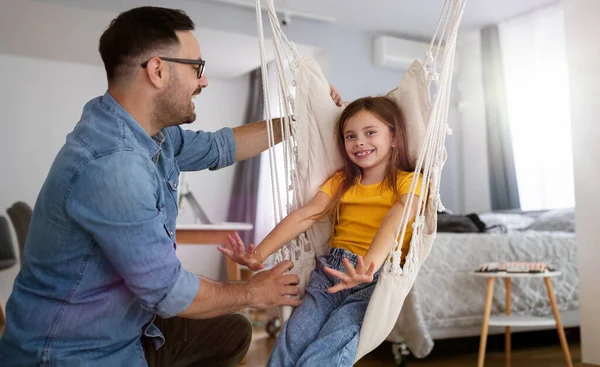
(368, 141)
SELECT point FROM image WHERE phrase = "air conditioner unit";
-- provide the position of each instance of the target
(397, 53)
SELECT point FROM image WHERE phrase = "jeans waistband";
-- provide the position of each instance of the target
(336, 256)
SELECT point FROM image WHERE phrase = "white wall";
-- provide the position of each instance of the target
(41, 103)
(222, 104)
(582, 29)
(473, 139)
(451, 188)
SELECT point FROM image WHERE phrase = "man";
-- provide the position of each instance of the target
(101, 284)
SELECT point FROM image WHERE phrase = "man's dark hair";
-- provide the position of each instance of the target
(136, 33)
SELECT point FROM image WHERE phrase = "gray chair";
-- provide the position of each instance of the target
(7, 258)
(20, 216)
(7, 251)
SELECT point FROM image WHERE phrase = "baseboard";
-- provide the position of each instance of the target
(588, 365)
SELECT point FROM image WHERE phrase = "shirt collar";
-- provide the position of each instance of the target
(151, 144)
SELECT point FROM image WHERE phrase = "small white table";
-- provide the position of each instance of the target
(212, 234)
(509, 321)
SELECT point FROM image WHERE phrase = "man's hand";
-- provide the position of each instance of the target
(272, 288)
(335, 95)
(354, 276)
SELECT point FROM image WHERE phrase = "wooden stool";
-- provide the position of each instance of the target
(509, 321)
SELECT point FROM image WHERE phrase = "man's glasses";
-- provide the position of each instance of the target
(200, 63)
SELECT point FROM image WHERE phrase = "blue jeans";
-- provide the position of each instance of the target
(324, 329)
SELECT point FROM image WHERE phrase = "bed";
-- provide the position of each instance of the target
(447, 301)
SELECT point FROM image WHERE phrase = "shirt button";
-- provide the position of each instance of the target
(171, 233)
(175, 185)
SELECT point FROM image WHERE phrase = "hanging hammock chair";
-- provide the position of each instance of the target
(310, 158)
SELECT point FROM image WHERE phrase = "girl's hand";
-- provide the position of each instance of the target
(353, 277)
(335, 95)
(236, 251)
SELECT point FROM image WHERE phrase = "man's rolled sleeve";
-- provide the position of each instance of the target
(198, 150)
(181, 296)
(226, 145)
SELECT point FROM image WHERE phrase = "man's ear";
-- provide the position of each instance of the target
(156, 70)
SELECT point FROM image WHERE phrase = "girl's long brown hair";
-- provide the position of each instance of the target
(388, 112)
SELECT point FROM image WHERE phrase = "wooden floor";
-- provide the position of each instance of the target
(540, 349)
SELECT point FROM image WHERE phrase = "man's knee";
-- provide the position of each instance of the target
(242, 331)
(230, 338)
(236, 337)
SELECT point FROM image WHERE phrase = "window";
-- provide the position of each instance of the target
(537, 89)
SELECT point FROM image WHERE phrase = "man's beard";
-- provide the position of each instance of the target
(190, 114)
(172, 107)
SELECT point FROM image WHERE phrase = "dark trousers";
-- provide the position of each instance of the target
(220, 342)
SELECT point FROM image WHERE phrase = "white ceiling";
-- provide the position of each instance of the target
(406, 17)
(58, 30)
(79, 23)
(218, 45)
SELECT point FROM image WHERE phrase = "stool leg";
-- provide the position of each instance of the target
(507, 342)
(486, 320)
(559, 326)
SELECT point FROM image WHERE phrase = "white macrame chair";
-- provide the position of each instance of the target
(310, 157)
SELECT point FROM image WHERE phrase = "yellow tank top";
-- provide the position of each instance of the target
(362, 209)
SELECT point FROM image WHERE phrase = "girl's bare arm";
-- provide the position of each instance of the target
(291, 226)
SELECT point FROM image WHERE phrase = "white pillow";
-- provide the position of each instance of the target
(413, 98)
(511, 221)
(562, 220)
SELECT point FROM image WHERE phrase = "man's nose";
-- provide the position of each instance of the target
(203, 82)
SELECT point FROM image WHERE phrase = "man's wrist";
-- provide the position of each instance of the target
(249, 293)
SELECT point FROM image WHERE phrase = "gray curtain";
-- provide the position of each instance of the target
(503, 179)
(242, 207)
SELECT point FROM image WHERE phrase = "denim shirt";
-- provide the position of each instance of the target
(99, 260)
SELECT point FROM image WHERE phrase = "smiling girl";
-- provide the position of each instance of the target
(366, 199)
